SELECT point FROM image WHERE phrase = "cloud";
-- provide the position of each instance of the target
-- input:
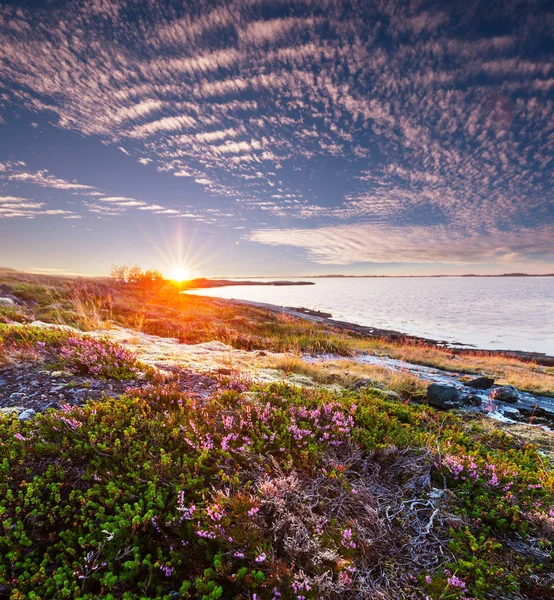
(44, 179)
(394, 114)
(166, 124)
(374, 243)
(23, 208)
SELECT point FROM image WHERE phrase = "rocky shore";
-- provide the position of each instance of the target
(317, 316)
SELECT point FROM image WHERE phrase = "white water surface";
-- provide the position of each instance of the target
(494, 313)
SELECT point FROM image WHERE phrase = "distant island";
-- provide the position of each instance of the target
(204, 282)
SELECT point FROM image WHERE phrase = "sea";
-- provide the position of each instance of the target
(492, 313)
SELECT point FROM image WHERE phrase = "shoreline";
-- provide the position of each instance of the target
(391, 334)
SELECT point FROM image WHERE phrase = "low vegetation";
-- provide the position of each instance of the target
(280, 493)
(255, 492)
(349, 374)
(146, 302)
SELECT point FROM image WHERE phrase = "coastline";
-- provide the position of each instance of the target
(390, 334)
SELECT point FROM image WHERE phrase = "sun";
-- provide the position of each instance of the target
(179, 274)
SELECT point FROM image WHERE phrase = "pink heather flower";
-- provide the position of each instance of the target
(345, 579)
(206, 534)
(428, 579)
(261, 558)
(253, 511)
(238, 554)
(214, 512)
(456, 582)
(347, 539)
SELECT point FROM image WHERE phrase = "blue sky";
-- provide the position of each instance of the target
(278, 137)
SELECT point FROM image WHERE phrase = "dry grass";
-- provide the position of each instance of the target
(163, 311)
(350, 374)
(524, 375)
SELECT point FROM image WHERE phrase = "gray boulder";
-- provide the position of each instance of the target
(507, 393)
(480, 383)
(443, 396)
(6, 302)
(27, 414)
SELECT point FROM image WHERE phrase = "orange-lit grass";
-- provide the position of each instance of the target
(348, 373)
(162, 310)
(524, 375)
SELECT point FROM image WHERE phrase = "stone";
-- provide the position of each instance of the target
(480, 383)
(27, 414)
(17, 396)
(507, 393)
(388, 394)
(6, 302)
(11, 410)
(443, 396)
(473, 400)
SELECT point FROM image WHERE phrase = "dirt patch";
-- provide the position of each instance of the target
(28, 385)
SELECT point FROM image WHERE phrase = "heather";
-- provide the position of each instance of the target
(275, 492)
(81, 355)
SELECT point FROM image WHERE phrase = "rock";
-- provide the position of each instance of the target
(367, 383)
(12, 410)
(27, 414)
(388, 394)
(507, 393)
(6, 302)
(361, 383)
(17, 396)
(443, 396)
(473, 400)
(480, 383)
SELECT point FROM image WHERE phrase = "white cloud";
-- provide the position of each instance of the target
(374, 243)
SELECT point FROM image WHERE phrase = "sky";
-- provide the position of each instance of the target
(277, 137)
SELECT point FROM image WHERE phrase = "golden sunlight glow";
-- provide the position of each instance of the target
(179, 274)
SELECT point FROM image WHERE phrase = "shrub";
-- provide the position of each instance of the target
(100, 358)
(280, 493)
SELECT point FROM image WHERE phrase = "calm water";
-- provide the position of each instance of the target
(493, 313)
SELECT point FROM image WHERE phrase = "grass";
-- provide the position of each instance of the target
(525, 375)
(162, 310)
(349, 374)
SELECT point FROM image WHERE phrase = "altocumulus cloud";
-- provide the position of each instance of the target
(377, 131)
